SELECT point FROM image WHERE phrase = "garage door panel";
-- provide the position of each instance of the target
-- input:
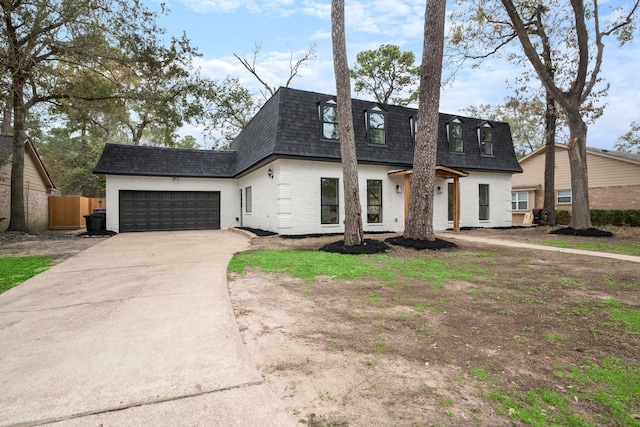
(169, 210)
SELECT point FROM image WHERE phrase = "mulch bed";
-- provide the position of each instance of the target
(368, 247)
(371, 246)
(587, 232)
(432, 245)
(258, 232)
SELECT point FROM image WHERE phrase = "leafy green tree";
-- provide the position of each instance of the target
(563, 44)
(526, 120)
(419, 223)
(70, 161)
(41, 39)
(583, 44)
(388, 74)
(630, 141)
(231, 108)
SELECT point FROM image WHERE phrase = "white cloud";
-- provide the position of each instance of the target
(282, 7)
(207, 6)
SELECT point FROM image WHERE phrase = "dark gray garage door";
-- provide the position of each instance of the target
(169, 210)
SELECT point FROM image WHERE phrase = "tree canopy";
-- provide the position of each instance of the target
(563, 43)
(630, 141)
(388, 74)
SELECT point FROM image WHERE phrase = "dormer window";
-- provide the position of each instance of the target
(454, 135)
(485, 139)
(413, 123)
(329, 116)
(376, 121)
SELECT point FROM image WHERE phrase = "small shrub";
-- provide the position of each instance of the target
(563, 217)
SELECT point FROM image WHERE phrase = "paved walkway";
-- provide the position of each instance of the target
(137, 330)
(513, 244)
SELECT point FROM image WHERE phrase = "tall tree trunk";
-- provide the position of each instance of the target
(18, 221)
(549, 206)
(353, 232)
(580, 213)
(419, 223)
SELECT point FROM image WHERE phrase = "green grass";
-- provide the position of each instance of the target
(631, 319)
(14, 271)
(308, 265)
(539, 407)
(621, 247)
(611, 384)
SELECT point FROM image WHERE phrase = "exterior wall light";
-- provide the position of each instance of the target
(398, 189)
(270, 173)
(439, 190)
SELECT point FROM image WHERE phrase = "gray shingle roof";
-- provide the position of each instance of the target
(117, 159)
(289, 125)
(620, 154)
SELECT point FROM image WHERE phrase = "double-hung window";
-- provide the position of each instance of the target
(374, 201)
(329, 115)
(376, 123)
(483, 202)
(520, 201)
(329, 201)
(563, 197)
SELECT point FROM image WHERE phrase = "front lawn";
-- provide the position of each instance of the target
(534, 338)
(14, 271)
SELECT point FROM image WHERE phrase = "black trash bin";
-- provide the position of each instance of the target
(98, 222)
(537, 215)
(88, 223)
(99, 219)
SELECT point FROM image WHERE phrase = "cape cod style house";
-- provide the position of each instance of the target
(283, 173)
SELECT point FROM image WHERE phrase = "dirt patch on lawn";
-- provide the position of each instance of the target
(423, 351)
(59, 245)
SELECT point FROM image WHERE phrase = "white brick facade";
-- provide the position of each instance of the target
(289, 203)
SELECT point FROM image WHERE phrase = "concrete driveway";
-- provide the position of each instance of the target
(137, 330)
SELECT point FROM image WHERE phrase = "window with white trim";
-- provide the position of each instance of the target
(563, 197)
(519, 201)
(374, 201)
(483, 202)
(329, 115)
(329, 201)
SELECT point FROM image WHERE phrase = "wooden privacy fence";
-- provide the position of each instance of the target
(67, 212)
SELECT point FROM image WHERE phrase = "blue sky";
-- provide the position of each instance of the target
(222, 28)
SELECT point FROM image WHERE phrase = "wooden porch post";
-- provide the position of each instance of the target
(407, 195)
(456, 203)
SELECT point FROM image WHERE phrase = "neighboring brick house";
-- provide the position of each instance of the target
(614, 181)
(37, 187)
(283, 173)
